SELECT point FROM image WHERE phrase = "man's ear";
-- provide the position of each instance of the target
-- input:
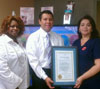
(39, 21)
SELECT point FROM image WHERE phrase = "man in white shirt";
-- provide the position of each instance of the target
(38, 52)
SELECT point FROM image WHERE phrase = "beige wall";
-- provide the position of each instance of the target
(82, 7)
(7, 6)
(98, 16)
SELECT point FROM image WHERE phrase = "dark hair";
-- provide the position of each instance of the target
(45, 12)
(7, 21)
(94, 33)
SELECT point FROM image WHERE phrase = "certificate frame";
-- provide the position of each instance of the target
(64, 65)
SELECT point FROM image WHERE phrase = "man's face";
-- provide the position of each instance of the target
(46, 22)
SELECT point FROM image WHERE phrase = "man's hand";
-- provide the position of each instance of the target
(49, 82)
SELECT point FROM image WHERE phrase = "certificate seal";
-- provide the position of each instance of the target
(59, 76)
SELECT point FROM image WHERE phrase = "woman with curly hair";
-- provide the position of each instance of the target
(14, 73)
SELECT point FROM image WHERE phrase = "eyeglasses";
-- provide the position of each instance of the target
(13, 26)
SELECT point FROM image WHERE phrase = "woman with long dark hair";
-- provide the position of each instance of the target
(88, 46)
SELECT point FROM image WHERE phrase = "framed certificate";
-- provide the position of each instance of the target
(64, 66)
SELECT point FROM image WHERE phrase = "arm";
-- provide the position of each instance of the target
(62, 42)
(33, 57)
(91, 72)
(6, 75)
(57, 39)
(49, 82)
(60, 39)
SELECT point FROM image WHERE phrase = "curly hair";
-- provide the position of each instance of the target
(94, 33)
(7, 21)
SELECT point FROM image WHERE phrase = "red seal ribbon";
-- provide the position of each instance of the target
(84, 48)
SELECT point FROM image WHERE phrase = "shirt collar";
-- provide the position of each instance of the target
(7, 39)
(43, 33)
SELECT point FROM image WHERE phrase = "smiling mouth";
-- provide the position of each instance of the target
(48, 26)
(14, 31)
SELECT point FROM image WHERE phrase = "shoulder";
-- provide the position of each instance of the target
(53, 34)
(56, 37)
(95, 45)
(95, 40)
(2, 39)
(34, 35)
(76, 42)
(3, 44)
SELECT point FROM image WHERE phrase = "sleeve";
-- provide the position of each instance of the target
(7, 76)
(62, 41)
(96, 49)
(58, 39)
(32, 51)
(74, 43)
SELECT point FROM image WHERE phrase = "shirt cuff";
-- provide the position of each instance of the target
(44, 77)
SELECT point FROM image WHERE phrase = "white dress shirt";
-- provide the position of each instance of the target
(37, 53)
(14, 70)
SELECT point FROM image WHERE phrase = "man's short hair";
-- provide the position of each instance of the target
(45, 12)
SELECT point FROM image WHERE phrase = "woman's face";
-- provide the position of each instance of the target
(13, 29)
(85, 27)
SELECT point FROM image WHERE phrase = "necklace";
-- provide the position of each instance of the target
(83, 41)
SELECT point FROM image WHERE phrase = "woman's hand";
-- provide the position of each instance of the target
(78, 82)
(91, 72)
